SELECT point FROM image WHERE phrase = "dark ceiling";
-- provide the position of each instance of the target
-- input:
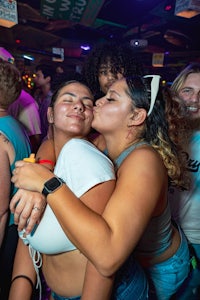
(121, 20)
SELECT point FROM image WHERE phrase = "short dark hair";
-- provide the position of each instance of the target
(10, 84)
(47, 70)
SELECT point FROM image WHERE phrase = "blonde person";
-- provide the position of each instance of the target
(185, 204)
(137, 219)
(90, 174)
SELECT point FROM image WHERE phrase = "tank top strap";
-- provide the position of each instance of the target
(125, 153)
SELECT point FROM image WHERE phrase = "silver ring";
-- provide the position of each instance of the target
(36, 208)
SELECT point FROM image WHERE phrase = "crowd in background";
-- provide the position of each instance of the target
(157, 136)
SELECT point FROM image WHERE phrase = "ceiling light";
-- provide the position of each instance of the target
(28, 57)
(187, 8)
(85, 47)
(138, 43)
(168, 7)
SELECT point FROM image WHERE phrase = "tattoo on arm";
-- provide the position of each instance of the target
(4, 138)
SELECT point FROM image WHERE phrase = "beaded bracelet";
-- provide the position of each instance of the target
(25, 277)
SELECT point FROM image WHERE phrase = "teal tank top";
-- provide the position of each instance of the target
(15, 133)
(119, 160)
(157, 236)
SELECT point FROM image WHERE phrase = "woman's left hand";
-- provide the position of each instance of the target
(28, 208)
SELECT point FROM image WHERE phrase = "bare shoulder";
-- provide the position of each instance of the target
(143, 159)
(145, 153)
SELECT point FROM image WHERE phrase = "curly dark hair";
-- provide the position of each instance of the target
(120, 57)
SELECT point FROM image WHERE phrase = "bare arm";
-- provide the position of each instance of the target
(46, 154)
(5, 178)
(96, 286)
(140, 185)
(21, 287)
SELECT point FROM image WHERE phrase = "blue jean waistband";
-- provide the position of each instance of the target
(57, 297)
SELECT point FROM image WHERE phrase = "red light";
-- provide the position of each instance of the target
(168, 7)
(17, 41)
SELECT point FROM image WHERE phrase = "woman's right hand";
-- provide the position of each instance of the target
(27, 208)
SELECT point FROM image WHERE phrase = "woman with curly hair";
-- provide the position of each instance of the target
(136, 222)
(108, 62)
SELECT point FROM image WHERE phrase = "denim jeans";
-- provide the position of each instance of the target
(168, 276)
(130, 282)
(191, 286)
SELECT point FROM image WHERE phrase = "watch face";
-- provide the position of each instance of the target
(53, 184)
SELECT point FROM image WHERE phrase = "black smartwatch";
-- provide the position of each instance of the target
(52, 185)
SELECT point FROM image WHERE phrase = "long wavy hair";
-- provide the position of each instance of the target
(164, 127)
(177, 84)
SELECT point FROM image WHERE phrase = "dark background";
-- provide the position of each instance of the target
(123, 20)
